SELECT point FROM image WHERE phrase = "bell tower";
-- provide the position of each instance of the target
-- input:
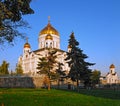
(27, 47)
(112, 69)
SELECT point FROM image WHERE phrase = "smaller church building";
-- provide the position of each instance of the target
(111, 77)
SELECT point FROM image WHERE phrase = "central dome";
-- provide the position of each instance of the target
(49, 30)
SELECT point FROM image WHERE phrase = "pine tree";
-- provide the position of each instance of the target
(60, 73)
(79, 68)
(19, 69)
(4, 68)
(46, 66)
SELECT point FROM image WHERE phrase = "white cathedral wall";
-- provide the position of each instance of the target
(56, 40)
(29, 62)
(41, 41)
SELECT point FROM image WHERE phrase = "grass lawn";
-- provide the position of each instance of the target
(43, 97)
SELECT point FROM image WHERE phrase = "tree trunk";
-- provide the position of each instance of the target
(58, 83)
(77, 85)
(47, 82)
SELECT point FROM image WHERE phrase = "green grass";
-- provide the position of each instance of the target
(43, 97)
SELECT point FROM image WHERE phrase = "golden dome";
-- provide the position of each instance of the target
(112, 66)
(69, 46)
(27, 45)
(48, 37)
(49, 30)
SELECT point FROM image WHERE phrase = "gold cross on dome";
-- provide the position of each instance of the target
(48, 19)
(27, 39)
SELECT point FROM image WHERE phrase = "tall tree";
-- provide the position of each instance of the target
(95, 77)
(60, 73)
(11, 12)
(4, 68)
(76, 60)
(19, 69)
(46, 66)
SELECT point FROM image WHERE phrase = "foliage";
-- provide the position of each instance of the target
(42, 97)
(19, 69)
(95, 77)
(4, 68)
(79, 69)
(11, 12)
(47, 64)
(60, 73)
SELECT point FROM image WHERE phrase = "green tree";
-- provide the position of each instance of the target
(19, 69)
(4, 68)
(46, 66)
(60, 73)
(11, 12)
(95, 77)
(79, 68)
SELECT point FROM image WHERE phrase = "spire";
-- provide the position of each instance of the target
(26, 39)
(48, 19)
(26, 45)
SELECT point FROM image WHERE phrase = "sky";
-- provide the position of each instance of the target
(95, 23)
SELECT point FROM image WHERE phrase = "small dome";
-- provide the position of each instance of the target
(112, 66)
(48, 37)
(69, 46)
(49, 30)
(27, 45)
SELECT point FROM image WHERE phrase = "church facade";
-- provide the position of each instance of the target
(48, 38)
(111, 77)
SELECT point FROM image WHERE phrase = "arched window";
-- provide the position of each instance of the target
(46, 45)
(50, 44)
(26, 56)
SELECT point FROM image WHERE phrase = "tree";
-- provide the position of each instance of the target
(46, 66)
(95, 77)
(11, 12)
(60, 73)
(4, 68)
(79, 68)
(19, 69)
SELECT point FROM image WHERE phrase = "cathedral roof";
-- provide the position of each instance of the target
(26, 45)
(112, 66)
(49, 29)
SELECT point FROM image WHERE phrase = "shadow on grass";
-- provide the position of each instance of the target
(103, 93)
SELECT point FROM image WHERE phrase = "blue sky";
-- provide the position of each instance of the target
(95, 23)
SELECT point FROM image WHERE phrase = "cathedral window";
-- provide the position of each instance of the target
(111, 71)
(26, 56)
(51, 45)
(46, 45)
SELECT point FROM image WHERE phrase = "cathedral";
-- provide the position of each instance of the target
(48, 38)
